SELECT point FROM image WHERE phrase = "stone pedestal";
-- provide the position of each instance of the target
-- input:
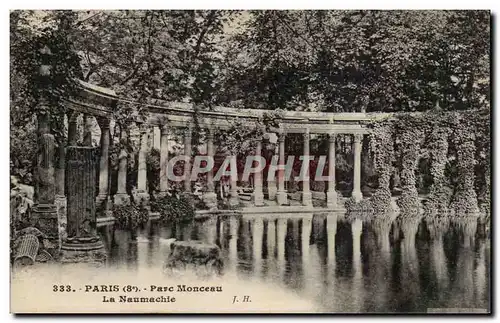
(83, 243)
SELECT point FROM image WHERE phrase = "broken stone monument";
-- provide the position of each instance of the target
(82, 244)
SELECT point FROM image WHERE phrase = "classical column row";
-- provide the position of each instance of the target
(210, 198)
(331, 195)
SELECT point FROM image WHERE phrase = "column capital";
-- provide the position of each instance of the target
(331, 137)
(209, 133)
(307, 135)
(164, 128)
(281, 136)
(103, 122)
(72, 115)
(358, 137)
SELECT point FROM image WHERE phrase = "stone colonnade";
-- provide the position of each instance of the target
(141, 194)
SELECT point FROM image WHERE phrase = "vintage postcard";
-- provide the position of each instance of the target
(266, 161)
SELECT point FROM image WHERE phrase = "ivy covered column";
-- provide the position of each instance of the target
(87, 130)
(281, 195)
(356, 191)
(121, 196)
(141, 195)
(102, 196)
(163, 159)
(210, 198)
(306, 190)
(72, 127)
(331, 194)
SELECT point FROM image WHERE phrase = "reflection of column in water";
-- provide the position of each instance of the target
(481, 275)
(122, 239)
(306, 235)
(465, 265)
(132, 256)
(410, 280)
(437, 228)
(143, 261)
(382, 227)
(220, 233)
(143, 231)
(356, 228)
(357, 279)
(233, 242)
(295, 232)
(280, 246)
(271, 238)
(246, 237)
(210, 229)
(165, 230)
(257, 235)
(380, 267)
(331, 232)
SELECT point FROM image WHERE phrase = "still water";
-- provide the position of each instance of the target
(337, 265)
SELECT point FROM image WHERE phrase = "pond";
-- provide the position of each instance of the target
(315, 258)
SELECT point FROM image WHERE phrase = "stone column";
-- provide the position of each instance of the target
(141, 196)
(210, 198)
(258, 194)
(102, 197)
(187, 164)
(356, 191)
(72, 127)
(271, 182)
(44, 210)
(164, 159)
(121, 196)
(60, 198)
(306, 190)
(331, 194)
(83, 243)
(87, 130)
(281, 196)
(234, 199)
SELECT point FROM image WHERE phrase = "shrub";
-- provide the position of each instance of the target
(131, 216)
(174, 208)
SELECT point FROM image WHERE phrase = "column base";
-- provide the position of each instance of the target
(357, 195)
(83, 250)
(121, 199)
(258, 198)
(272, 192)
(331, 199)
(62, 217)
(282, 197)
(307, 198)
(234, 199)
(210, 199)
